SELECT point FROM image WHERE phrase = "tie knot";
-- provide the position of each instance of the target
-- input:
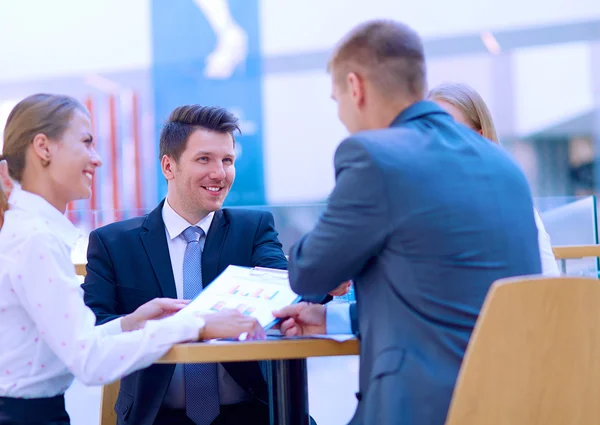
(193, 234)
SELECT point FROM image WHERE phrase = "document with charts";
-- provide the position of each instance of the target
(255, 292)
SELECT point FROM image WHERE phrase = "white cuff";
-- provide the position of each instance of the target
(111, 328)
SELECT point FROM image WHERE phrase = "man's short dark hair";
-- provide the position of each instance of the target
(184, 120)
(388, 53)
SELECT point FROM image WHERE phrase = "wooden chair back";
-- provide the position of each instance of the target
(534, 356)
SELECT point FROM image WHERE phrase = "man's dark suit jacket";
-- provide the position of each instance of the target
(424, 217)
(129, 264)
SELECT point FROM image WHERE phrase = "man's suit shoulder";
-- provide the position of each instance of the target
(120, 228)
(246, 216)
(373, 142)
(375, 148)
(368, 138)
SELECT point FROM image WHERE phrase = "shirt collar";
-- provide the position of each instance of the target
(176, 224)
(54, 219)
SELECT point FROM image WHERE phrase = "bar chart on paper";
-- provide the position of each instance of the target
(254, 292)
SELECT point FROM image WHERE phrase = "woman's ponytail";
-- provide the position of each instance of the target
(3, 196)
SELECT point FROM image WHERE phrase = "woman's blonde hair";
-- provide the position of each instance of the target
(49, 114)
(471, 104)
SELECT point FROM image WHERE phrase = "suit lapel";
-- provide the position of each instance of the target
(154, 239)
(215, 239)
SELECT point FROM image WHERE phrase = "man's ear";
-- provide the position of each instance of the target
(167, 165)
(6, 183)
(357, 88)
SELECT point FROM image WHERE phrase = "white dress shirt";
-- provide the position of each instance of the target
(549, 265)
(47, 333)
(229, 391)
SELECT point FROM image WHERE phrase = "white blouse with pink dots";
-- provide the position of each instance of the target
(47, 333)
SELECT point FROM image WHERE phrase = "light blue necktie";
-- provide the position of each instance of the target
(201, 380)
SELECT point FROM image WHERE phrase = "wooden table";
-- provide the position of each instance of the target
(572, 252)
(287, 379)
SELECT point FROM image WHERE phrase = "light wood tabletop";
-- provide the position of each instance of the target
(271, 349)
(576, 251)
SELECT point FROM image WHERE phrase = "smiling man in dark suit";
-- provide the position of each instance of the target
(175, 251)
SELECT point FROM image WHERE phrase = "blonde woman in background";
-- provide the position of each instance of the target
(467, 107)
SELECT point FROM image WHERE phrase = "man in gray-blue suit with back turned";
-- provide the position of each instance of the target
(424, 217)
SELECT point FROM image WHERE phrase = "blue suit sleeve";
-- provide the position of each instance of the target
(352, 229)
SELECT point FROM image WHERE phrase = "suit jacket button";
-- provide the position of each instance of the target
(358, 396)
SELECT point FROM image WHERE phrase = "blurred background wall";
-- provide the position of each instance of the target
(535, 62)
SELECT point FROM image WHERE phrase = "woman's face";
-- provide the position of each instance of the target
(74, 160)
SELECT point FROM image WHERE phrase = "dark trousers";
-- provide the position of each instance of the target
(251, 412)
(33, 411)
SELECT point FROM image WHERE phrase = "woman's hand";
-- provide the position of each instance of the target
(152, 310)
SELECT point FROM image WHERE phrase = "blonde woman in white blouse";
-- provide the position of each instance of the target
(47, 334)
(467, 107)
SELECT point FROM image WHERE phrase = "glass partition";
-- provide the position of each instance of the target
(568, 221)
(571, 221)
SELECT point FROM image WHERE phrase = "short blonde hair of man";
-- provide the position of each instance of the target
(387, 53)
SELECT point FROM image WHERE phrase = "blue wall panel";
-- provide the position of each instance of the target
(182, 40)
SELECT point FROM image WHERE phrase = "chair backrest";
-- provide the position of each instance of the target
(80, 269)
(110, 393)
(534, 356)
